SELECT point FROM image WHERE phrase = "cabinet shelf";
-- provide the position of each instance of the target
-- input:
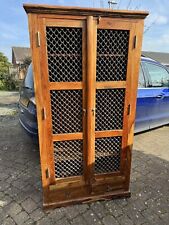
(65, 55)
(111, 55)
(105, 154)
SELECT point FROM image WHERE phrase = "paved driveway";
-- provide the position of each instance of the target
(20, 182)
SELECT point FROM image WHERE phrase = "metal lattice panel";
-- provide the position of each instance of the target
(112, 54)
(107, 158)
(109, 109)
(66, 106)
(68, 157)
(64, 49)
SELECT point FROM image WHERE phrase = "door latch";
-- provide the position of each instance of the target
(43, 114)
(128, 110)
(47, 173)
(135, 42)
(38, 39)
(93, 111)
(84, 112)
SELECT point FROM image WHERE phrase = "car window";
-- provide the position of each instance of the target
(158, 75)
(141, 81)
(29, 78)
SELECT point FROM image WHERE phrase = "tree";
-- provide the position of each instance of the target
(6, 81)
(4, 65)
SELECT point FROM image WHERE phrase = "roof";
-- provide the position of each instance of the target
(162, 57)
(20, 53)
(67, 10)
(143, 58)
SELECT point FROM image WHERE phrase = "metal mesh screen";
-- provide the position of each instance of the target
(66, 106)
(107, 158)
(112, 54)
(64, 49)
(109, 109)
(68, 158)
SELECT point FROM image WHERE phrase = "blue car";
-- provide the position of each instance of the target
(153, 96)
(152, 99)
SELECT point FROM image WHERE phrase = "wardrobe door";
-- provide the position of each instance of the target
(62, 52)
(115, 45)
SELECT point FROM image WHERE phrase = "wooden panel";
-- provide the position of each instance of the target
(64, 23)
(109, 133)
(110, 84)
(67, 137)
(135, 57)
(47, 101)
(91, 74)
(33, 28)
(62, 16)
(84, 71)
(60, 10)
(108, 23)
(65, 85)
(66, 183)
(128, 92)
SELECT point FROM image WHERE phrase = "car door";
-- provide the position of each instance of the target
(142, 117)
(158, 108)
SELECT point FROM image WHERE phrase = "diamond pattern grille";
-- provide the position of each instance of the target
(68, 158)
(112, 54)
(66, 106)
(64, 49)
(107, 152)
(109, 109)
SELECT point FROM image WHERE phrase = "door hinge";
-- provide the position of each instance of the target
(98, 19)
(38, 39)
(47, 173)
(128, 110)
(135, 42)
(43, 114)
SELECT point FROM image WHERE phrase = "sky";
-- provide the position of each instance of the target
(14, 24)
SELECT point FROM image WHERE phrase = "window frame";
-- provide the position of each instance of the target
(149, 83)
(144, 76)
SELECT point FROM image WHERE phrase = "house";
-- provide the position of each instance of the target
(19, 54)
(161, 57)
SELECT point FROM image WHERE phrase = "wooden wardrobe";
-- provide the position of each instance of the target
(85, 66)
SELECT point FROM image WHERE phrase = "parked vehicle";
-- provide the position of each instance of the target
(153, 96)
(152, 99)
(27, 105)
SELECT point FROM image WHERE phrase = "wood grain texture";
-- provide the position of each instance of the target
(65, 85)
(111, 84)
(108, 133)
(67, 137)
(90, 97)
(135, 57)
(64, 23)
(47, 100)
(88, 198)
(84, 100)
(33, 28)
(49, 9)
(128, 93)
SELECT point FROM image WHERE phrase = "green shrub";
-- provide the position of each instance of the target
(8, 82)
